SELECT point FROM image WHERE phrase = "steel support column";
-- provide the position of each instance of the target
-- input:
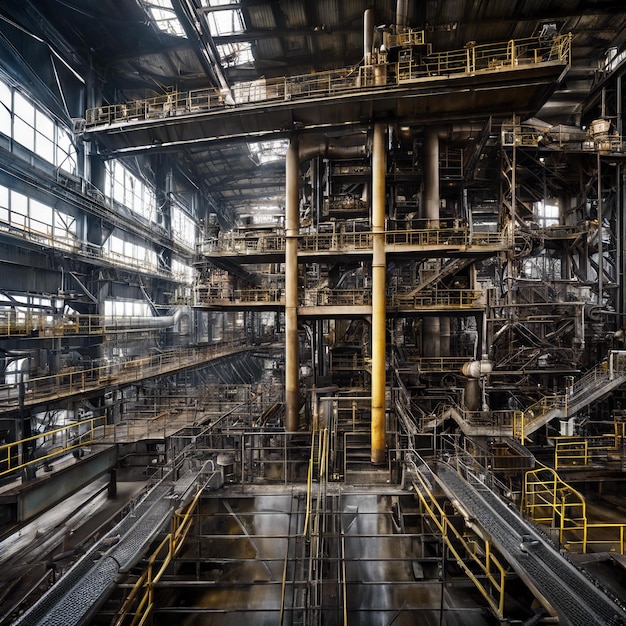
(379, 269)
(292, 356)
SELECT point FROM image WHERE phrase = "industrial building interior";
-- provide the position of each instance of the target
(312, 312)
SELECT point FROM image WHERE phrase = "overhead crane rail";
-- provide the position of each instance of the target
(421, 66)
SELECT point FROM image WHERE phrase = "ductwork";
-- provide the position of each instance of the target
(323, 147)
(165, 321)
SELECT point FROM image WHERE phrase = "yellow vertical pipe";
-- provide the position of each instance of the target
(292, 219)
(379, 268)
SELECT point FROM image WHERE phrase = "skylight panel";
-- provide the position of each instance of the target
(268, 151)
(225, 22)
(233, 54)
(164, 16)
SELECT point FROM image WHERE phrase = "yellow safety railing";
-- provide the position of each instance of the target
(166, 551)
(570, 453)
(491, 583)
(51, 444)
(605, 537)
(14, 324)
(549, 500)
(319, 459)
(71, 381)
(535, 412)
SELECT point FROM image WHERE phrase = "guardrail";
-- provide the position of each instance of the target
(440, 298)
(470, 60)
(70, 381)
(50, 444)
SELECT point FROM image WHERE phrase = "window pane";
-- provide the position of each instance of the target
(40, 214)
(44, 147)
(24, 134)
(24, 109)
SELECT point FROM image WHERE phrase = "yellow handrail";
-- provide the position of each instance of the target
(69, 441)
(487, 562)
(181, 523)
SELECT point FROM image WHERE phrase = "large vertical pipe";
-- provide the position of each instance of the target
(431, 177)
(368, 36)
(292, 356)
(402, 15)
(431, 332)
(379, 268)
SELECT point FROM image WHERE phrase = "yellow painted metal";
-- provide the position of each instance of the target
(467, 552)
(553, 502)
(569, 453)
(522, 420)
(292, 227)
(166, 551)
(319, 458)
(379, 311)
(70, 381)
(58, 441)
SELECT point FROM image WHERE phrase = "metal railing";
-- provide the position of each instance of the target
(477, 561)
(71, 381)
(142, 593)
(469, 60)
(52, 444)
(440, 298)
(447, 237)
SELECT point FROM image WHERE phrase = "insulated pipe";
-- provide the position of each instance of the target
(292, 353)
(402, 15)
(431, 177)
(431, 328)
(297, 153)
(379, 268)
(368, 36)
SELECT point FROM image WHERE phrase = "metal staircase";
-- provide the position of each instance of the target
(598, 382)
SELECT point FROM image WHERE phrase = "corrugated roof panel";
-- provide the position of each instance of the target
(260, 17)
(269, 48)
(295, 14)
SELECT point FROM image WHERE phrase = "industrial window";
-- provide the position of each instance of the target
(226, 21)
(126, 252)
(36, 130)
(547, 214)
(126, 308)
(5, 108)
(130, 191)
(183, 228)
(36, 219)
(163, 15)
(182, 272)
(233, 54)
(268, 151)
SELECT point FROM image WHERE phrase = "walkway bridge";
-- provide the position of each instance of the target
(516, 75)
